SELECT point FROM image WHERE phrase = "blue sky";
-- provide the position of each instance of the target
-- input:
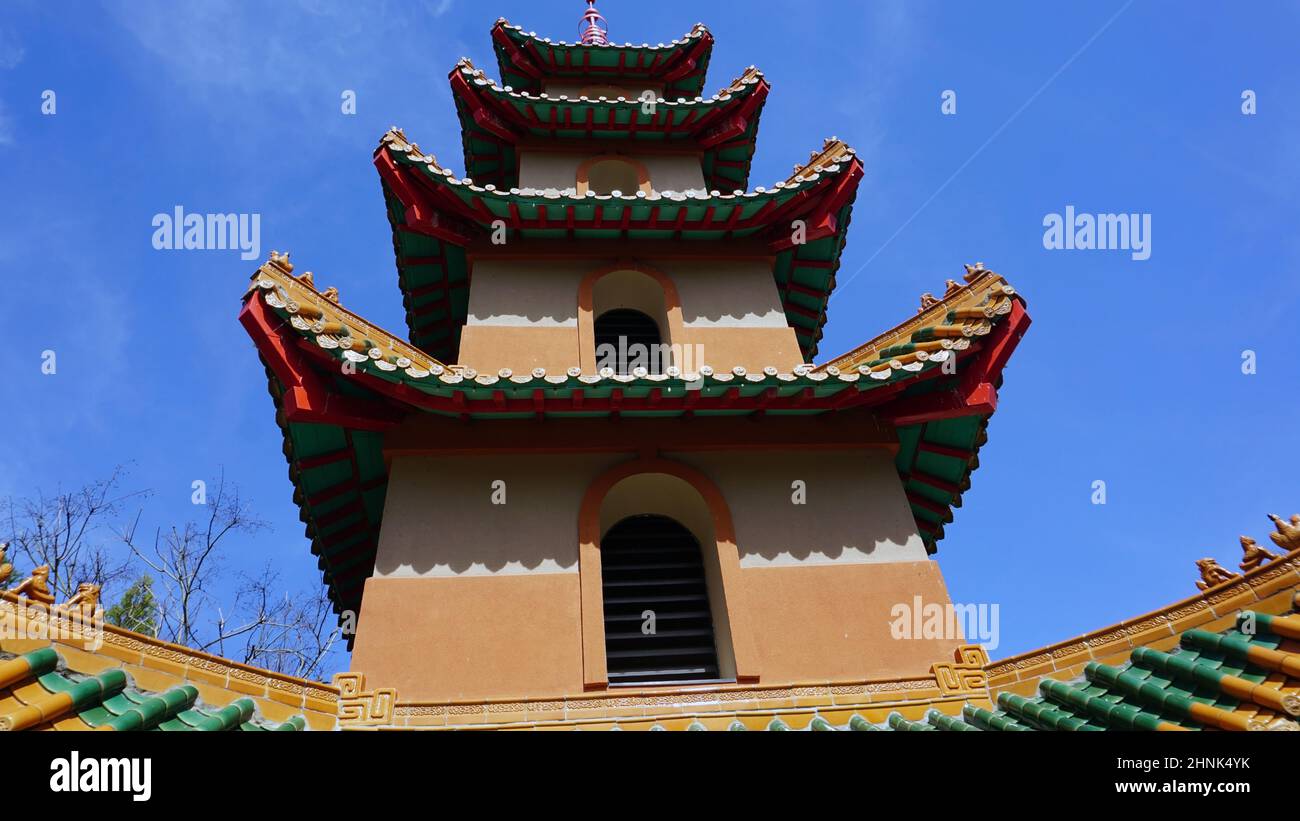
(1131, 373)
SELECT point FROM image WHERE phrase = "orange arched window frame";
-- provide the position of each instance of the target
(583, 180)
(594, 668)
(587, 309)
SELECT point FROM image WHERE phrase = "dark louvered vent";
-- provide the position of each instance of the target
(653, 563)
(622, 329)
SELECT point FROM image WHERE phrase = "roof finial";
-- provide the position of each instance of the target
(593, 31)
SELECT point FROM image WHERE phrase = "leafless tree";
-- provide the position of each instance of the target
(291, 635)
(274, 629)
(68, 531)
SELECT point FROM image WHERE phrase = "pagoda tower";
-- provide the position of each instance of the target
(599, 473)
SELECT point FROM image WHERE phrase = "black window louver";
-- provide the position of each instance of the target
(623, 329)
(653, 563)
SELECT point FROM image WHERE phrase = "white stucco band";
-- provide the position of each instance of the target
(444, 518)
(715, 294)
(560, 170)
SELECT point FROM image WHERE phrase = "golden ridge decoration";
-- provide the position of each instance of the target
(86, 600)
(6, 569)
(1287, 536)
(1213, 574)
(36, 586)
(1253, 555)
(361, 708)
(965, 676)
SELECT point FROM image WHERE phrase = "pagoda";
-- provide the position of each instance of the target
(602, 486)
(600, 469)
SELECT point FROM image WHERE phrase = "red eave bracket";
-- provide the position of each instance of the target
(306, 398)
(521, 60)
(974, 393)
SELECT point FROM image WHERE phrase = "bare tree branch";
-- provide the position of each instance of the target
(64, 531)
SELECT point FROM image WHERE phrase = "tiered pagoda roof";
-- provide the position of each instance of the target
(436, 216)
(495, 120)
(525, 60)
(333, 422)
(340, 381)
(439, 219)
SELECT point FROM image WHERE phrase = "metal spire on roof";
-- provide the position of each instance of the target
(593, 30)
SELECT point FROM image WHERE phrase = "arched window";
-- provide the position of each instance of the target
(606, 174)
(627, 339)
(606, 91)
(658, 622)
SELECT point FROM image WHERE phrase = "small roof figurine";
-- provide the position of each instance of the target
(36, 586)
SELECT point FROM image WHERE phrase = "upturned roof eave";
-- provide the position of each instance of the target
(682, 63)
(495, 119)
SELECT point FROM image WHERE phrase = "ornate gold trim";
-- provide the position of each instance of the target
(359, 707)
(965, 676)
(1165, 617)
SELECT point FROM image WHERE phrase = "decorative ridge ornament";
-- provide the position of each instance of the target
(1213, 574)
(1287, 536)
(593, 30)
(36, 586)
(1252, 555)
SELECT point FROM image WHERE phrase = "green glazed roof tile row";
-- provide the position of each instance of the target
(1245, 678)
(1200, 685)
(109, 701)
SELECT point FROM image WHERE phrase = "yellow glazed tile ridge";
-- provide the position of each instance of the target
(12, 606)
(983, 285)
(1118, 633)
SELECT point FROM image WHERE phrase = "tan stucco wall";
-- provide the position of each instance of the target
(559, 170)
(524, 315)
(439, 519)
(854, 511)
(473, 637)
(475, 600)
(832, 622)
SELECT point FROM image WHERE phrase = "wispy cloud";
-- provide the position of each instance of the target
(11, 51)
(6, 126)
(11, 54)
(294, 49)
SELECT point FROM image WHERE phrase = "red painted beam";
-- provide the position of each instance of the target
(306, 397)
(973, 392)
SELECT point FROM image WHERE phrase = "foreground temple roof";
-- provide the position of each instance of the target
(57, 675)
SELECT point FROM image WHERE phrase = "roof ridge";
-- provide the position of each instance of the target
(832, 159)
(752, 75)
(697, 31)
